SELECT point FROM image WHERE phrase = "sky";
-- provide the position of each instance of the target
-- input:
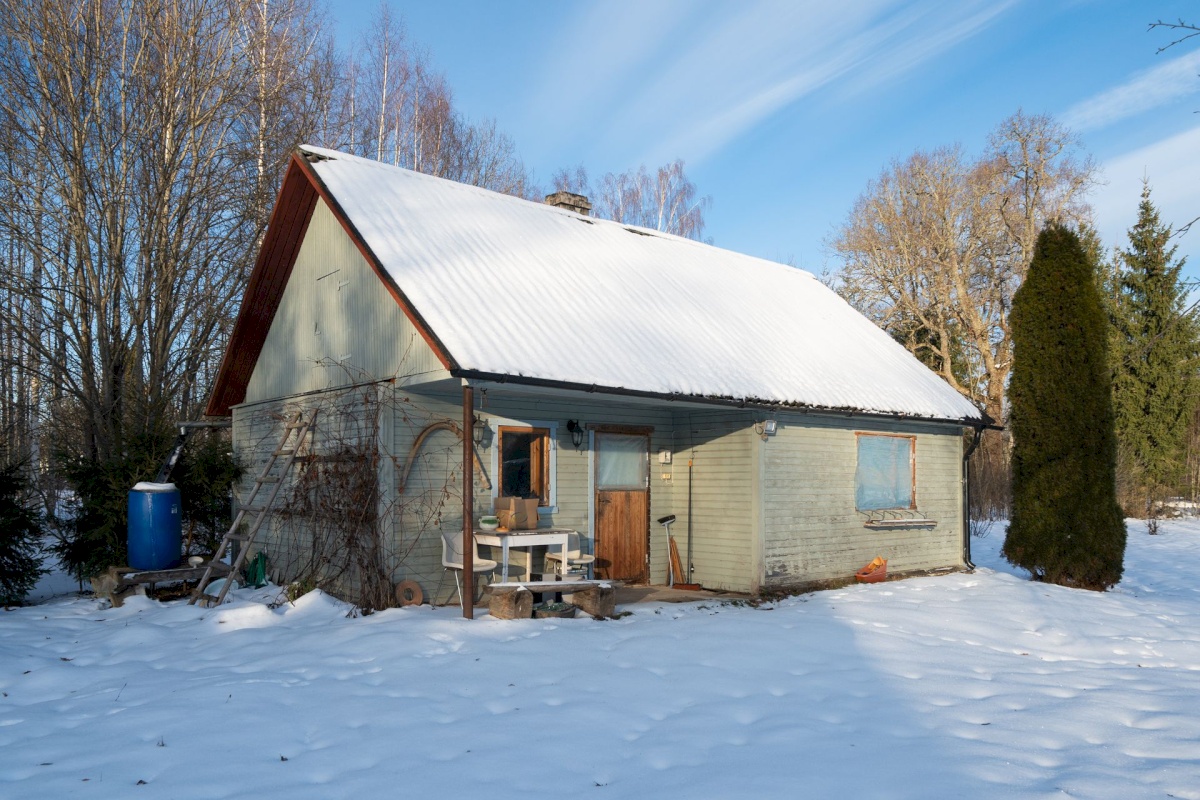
(784, 111)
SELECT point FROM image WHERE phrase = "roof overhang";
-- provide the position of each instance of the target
(983, 423)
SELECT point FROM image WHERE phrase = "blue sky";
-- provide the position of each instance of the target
(784, 111)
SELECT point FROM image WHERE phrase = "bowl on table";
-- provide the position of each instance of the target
(489, 523)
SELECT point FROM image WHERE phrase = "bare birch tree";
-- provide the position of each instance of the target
(401, 111)
(666, 200)
(135, 142)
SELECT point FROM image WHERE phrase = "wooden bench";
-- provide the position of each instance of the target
(597, 598)
(565, 587)
(117, 583)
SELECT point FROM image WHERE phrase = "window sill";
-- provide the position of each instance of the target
(891, 524)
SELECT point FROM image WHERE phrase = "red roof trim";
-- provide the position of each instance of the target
(264, 289)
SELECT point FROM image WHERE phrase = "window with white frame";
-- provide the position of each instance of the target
(886, 474)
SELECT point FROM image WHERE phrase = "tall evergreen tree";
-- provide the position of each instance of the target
(1154, 374)
(1066, 526)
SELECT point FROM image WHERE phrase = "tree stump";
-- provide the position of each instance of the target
(599, 601)
(512, 605)
(111, 586)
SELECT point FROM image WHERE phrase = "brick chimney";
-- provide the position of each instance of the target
(570, 201)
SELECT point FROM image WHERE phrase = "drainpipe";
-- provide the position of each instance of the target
(966, 494)
(468, 498)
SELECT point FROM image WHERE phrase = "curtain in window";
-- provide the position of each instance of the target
(884, 477)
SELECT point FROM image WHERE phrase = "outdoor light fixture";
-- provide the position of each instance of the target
(479, 430)
(577, 432)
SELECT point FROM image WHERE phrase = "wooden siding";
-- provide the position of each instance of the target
(811, 530)
(764, 513)
(724, 516)
(317, 341)
(573, 505)
(347, 418)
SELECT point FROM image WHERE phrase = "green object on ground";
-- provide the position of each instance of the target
(256, 570)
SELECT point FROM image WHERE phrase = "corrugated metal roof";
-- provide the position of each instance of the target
(525, 289)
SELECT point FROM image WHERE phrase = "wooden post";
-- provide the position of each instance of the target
(468, 495)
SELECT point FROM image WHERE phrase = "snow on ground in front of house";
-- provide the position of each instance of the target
(982, 685)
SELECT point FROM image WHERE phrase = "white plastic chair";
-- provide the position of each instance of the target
(577, 561)
(452, 561)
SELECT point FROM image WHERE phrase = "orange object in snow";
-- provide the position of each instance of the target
(875, 572)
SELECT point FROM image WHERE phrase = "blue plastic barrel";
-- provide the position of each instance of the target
(155, 526)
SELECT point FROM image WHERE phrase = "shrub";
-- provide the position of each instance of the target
(20, 537)
(1066, 526)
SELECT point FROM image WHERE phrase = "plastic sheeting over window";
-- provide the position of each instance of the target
(623, 461)
(884, 478)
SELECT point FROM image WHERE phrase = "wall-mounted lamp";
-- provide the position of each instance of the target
(577, 431)
(766, 428)
(479, 430)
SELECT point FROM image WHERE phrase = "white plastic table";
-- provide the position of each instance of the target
(506, 540)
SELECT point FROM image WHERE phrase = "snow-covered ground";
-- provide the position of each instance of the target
(982, 685)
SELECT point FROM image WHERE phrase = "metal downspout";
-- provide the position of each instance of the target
(468, 498)
(966, 494)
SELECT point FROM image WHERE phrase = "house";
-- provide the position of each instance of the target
(616, 374)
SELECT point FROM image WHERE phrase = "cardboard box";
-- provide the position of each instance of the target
(516, 513)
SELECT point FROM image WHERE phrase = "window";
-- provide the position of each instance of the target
(524, 455)
(885, 475)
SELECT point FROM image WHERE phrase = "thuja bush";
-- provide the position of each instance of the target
(20, 550)
(1066, 526)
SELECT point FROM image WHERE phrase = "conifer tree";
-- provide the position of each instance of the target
(20, 557)
(1154, 374)
(1066, 526)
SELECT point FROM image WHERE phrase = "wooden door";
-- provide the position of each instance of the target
(622, 471)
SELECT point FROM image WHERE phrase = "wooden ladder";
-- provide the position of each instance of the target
(294, 434)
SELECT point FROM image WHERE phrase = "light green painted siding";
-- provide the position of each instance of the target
(811, 530)
(721, 446)
(329, 328)
(573, 504)
(301, 540)
(764, 513)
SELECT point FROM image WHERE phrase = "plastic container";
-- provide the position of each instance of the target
(155, 526)
(875, 572)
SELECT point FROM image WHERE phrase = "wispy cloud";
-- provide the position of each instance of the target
(1166, 164)
(740, 64)
(1144, 91)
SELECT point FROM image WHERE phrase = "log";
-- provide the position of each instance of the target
(599, 601)
(512, 605)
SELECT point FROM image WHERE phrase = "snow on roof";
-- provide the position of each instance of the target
(520, 288)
